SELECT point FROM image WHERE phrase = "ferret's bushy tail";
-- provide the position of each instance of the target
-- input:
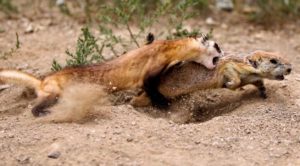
(20, 78)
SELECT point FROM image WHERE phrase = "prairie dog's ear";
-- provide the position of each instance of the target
(253, 63)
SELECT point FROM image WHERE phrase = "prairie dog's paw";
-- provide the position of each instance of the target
(140, 101)
(232, 84)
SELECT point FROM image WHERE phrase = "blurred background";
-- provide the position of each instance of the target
(120, 25)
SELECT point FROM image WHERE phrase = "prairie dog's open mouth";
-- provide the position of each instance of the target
(280, 77)
(215, 60)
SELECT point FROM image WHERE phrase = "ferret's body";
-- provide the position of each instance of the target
(129, 71)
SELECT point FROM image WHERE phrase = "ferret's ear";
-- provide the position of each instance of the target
(204, 38)
(150, 38)
(253, 63)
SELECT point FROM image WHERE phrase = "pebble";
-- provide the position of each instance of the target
(197, 142)
(210, 21)
(133, 123)
(283, 85)
(129, 139)
(226, 5)
(54, 151)
(10, 135)
(54, 154)
(259, 36)
(29, 29)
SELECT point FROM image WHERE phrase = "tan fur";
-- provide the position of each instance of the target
(231, 72)
(126, 72)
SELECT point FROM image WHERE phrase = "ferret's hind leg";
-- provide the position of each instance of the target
(43, 103)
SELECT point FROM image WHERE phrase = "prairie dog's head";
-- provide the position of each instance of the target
(210, 52)
(272, 65)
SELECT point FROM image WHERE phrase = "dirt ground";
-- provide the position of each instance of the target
(252, 132)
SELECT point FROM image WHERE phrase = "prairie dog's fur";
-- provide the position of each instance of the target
(231, 72)
(129, 71)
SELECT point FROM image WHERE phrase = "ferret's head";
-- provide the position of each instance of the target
(210, 52)
(272, 65)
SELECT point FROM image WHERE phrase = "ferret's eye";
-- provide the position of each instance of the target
(216, 46)
(273, 61)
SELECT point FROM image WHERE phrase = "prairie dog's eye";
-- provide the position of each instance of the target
(273, 61)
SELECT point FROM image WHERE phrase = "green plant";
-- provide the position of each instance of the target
(56, 66)
(181, 32)
(17, 41)
(7, 7)
(87, 52)
(177, 15)
(9, 53)
(138, 17)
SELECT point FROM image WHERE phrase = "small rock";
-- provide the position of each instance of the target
(226, 5)
(10, 135)
(210, 21)
(248, 131)
(284, 85)
(29, 29)
(54, 154)
(54, 151)
(129, 139)
(197, 142)
(60, 2)
(259, 36)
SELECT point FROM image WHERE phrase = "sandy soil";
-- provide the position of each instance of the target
(246, 131)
